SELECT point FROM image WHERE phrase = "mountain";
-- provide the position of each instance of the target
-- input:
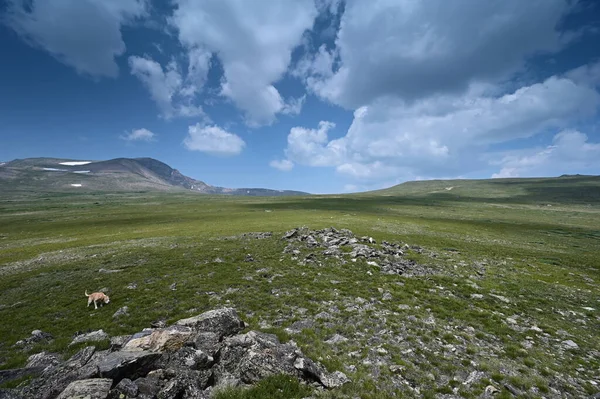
(579, 189)
(120, 174)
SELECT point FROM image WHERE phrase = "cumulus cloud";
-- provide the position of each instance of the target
(253, 41)
(311, 146)
(139, 135)
(213, 140)
(569, 153)
(284, 165)
(84, 34)
(414, 49)
(440, 135)
(166, 85)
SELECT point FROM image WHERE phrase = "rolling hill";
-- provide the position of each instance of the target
(115, 175)
(564, 189)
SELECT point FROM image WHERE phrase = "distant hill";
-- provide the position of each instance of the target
(120, 174)
(563, 189)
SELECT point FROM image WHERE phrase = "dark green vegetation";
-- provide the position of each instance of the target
(515, 270)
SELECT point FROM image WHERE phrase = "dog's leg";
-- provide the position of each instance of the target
(95, 305)
(89, 302)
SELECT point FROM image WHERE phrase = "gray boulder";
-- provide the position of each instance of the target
(94, 336)
(95, 388)
(223, 322)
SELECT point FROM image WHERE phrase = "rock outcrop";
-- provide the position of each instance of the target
(343, 245)
(185, 360)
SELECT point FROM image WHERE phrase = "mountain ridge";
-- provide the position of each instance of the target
(118, 174)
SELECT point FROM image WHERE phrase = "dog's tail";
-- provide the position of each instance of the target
(86, 294)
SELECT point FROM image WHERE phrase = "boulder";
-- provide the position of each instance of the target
(208, 342)
(95, 388)
(250, 357)
(54, 380)
(43, 360)
(124, 311)
(125, 387)
(94, 336)
(223, 322)
(121, 364)
(161, 340)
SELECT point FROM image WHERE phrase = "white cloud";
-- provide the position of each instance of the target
(311, 147)
(293, 106)
(569, 153)
(139, 135)
(442, 135)
(413, 49)
(253, 41)
(166, 85)
(84, 34)
(284, 165)
(213, 140)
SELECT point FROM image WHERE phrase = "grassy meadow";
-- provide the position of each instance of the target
(514, 272)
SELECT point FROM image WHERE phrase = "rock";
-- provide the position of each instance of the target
(126, 387)
(148, 387)
(94, 336)
(290, 234)
(387, 296)
(250, 357)
(318, 373)
(476, 296)
(124, 311)
(118, 365)
(161, 340)
(248, 258)
(173, 287)
(500, 298)
(223, 322)
(95, 388)
(300, 325)
(188, 358)
(336, 339)
(207, 342)
(14, 374)
(491, 390)
(36, 336)
(43, 360)
(52, 382)
(116, 343)
(311, 242)
(569, 344)
(131, 286)
(513, 390)
(160, 323)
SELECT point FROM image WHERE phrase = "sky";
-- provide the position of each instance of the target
(323, 96)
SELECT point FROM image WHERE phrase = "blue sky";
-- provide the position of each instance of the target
(322, 96)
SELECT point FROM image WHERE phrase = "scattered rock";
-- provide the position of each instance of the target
(131, 286)
(249, 258)
(336, 339)
(300, 325)
(36, 336)
(124, 311)
(569, 344)
(93, 336)
(173, 287)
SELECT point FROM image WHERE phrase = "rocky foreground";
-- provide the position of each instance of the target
(188, 359)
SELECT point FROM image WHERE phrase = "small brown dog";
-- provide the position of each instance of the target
(97, 297)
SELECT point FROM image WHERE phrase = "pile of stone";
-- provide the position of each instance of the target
(388, 257)
(186, 360)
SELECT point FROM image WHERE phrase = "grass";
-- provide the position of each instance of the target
(493, 239)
